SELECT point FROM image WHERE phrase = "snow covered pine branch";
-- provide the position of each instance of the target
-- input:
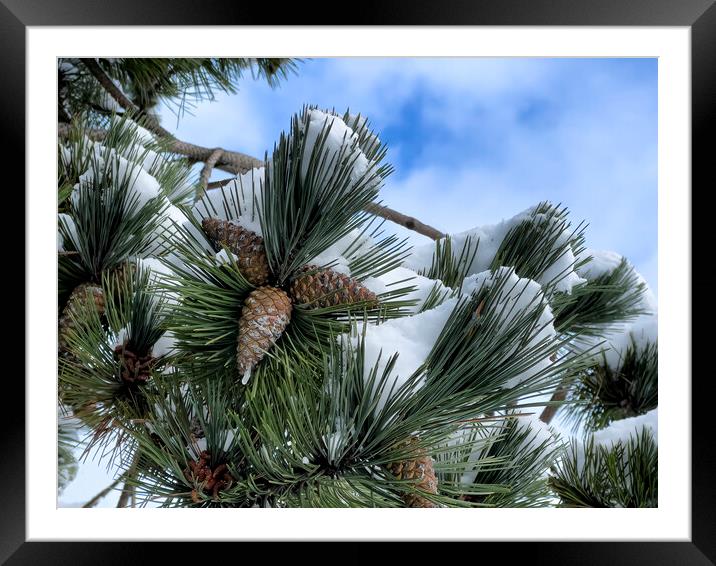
(230, 161)
(272, 344)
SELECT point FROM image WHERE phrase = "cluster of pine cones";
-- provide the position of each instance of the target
(264, 317)
(267, 310)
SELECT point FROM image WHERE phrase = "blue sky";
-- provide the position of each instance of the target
(477, 140)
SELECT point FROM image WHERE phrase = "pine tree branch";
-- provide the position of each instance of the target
(92, 502)
(388, 213)
(551, 410)
(408, 222)
(128, 489)
(208, 167)
(104, 80)
(559, 395)
(231, 161)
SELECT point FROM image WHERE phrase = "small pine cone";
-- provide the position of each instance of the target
(211, 480)
(134, 368)
(82, 294)
(420, 470)
(264, 316)
(247, 246)
(328, 288)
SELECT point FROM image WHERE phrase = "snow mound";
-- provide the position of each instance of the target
(490, 238)
(412, 337)
(143, 186)
(341, 143)
(402, 277)
(621, 430)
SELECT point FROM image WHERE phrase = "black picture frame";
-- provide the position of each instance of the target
(699, 15)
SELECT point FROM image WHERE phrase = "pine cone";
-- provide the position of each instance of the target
(211, 480)
(82, 295)
(134, 368)
(246, 245)
(264, 317)
(327, 288)
(419, 469)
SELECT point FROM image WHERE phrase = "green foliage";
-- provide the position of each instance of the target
(538, 243)
(603, 395)
(90, 373)
(178, 82)
(449, 268)
(509, 455)
(308, 208)
(611, 297)
(110, 223)
(624, 474)
(307, 434)
(185, 420)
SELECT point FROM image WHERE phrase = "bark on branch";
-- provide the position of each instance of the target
(551, 410)
(408, 222)
(208, 168)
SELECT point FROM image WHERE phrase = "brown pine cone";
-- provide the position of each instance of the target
(134, 368)
(420, 470)
(247, 246)
(82, 295)
(327, 288)
(264, 316)
(212, 480)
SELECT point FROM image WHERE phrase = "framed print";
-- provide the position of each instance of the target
(309, 317)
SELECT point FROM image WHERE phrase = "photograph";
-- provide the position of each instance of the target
(357, 282)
